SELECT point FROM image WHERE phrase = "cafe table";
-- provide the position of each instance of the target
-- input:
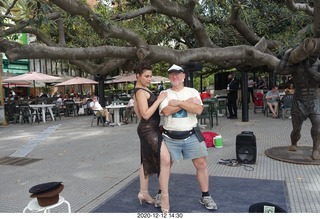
(43, 107)
(116, 109)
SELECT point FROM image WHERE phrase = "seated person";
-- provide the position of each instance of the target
(289, 90)
(207, 94)
(129, 110)
(272, 98)
(77, 97)
(95, 105)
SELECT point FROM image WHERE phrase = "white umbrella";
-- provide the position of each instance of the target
(31, 76)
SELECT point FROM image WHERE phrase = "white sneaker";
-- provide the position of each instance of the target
(208, 202)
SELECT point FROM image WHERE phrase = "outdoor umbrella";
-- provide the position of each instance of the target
(76, 81)
(32, 77)
(129, 78)
(132, 78)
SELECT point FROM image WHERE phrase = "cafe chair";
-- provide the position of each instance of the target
(26, 113)
(88, 108)
(223, 104)
(70, 108)
(285, 104)
(98, 118)
(11, 112)
(56, 109)
(206, 113)
(214, 108)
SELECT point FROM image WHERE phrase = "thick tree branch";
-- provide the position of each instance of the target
(186, 13)
(304, 50)
(103, 28)
(245, 30)
(15, 51)
(299, 7)
(136, 13)
(62, 39)
(253, 55)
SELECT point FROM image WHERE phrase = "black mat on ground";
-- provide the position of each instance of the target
(232, 195)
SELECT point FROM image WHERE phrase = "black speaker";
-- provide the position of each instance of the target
(246, 148)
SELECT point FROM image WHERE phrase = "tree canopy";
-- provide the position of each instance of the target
(222, 34)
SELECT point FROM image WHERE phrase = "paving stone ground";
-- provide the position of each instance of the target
(95, 162)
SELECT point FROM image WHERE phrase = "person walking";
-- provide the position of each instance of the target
(181, 132)
(155, 157)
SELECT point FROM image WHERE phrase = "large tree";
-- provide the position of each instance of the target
(119, 34)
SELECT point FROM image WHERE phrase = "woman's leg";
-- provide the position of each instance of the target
(144, 188)
(144, 182)
(164, 168)
(164, 177)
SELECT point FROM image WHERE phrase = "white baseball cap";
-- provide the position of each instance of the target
(175, 68)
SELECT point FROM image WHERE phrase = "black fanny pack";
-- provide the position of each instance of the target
(184, 134)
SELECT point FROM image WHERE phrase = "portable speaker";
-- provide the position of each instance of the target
(246, 147)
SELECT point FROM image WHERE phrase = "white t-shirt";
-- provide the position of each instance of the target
(96, 107)
(131, 101)
(182, 120)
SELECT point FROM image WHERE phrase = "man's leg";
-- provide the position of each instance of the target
(315, 134)
(203, 180)
(202, 173)
(107, 114)
(271, 108)
(230, 107)
(275, 108)
(234, 106)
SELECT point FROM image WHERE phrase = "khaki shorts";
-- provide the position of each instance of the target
(102, 113)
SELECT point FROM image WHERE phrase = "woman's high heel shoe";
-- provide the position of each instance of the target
(165, 207)
(144, 195)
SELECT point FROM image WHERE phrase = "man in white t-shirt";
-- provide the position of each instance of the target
(98, 110)
(129, 110)
(180, 130)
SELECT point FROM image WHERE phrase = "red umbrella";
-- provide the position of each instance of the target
(77, 80)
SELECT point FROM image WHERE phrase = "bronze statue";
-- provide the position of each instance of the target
(305, 103)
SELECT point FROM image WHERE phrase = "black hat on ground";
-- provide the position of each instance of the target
(259, 208)
(46, 193)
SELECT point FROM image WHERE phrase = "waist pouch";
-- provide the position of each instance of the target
(184, 134)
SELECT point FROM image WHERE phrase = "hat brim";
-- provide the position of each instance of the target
(48, 194)
(179, 71)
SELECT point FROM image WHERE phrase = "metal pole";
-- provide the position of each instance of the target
(244, 92)
(1, 91)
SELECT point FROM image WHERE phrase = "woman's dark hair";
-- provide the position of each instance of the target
(143, 66)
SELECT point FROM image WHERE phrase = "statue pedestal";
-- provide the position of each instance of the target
(301, 156)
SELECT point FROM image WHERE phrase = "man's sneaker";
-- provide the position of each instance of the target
(107, 121)
(208, 202)
(157, 201)
(111, 125)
